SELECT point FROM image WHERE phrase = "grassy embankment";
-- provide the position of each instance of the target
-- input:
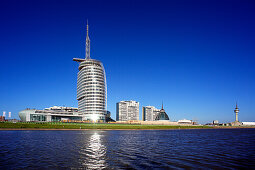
(23, 125)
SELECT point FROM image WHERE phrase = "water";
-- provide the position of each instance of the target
(135, 149)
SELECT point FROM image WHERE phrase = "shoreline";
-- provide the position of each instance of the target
(44, 129)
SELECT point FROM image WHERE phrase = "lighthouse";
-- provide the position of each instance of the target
(236, 112)
(236, 122)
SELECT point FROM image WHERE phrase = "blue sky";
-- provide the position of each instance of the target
(197, 57)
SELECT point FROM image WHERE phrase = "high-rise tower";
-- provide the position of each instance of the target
(236, 112)
(91, 86)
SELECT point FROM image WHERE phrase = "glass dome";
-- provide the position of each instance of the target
(162, 115)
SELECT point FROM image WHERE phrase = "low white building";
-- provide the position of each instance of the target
(184, 121)
(248, 123)
(56, 113)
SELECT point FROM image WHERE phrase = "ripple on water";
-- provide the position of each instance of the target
(213, 148)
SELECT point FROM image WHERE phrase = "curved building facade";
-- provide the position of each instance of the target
(91, 87)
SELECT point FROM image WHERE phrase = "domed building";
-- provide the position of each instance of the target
(162, 115)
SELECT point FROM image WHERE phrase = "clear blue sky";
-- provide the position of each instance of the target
(198, 57)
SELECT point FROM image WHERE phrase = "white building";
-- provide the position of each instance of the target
(127, 110)
(248, 123)
(184, 121)
(52, 114)
(149, 113)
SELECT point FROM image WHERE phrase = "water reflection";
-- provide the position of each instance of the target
(94, 152)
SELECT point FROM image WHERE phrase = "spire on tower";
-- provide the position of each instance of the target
(87, 51)
(162, 105)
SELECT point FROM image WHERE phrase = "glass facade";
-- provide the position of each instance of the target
(60, 118)
(37, 118)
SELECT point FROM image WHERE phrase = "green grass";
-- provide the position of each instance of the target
(23, 125)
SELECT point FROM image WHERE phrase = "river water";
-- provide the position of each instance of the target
(128, 149)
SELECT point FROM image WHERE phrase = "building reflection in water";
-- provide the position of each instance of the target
(94, 152)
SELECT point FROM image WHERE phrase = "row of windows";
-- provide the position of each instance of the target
(91, 101)
(91, 98)
(95, 102)
(96, 67)
(89, 83)
(91, 107)
(94, 88)
(93, 70)
(81, 76)
(90, 72)
(91, 78)
(96, 73)
(85, 92)
(93, 93)
(86, 82)
(91, 110)
(88, 100)
(90, 63)
(91, 88)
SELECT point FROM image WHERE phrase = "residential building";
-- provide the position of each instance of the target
(149, 113)
(127, 110)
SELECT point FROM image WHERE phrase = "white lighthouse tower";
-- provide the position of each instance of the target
(236, 122)
(236, 112)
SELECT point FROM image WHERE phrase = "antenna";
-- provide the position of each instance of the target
(87, 48)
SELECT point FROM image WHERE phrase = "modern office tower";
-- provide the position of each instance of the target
(127, 110)
(149, 113)
(91, 86)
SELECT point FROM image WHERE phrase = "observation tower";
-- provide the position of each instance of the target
(91, 86)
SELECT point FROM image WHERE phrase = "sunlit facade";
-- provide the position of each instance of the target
(127, 110)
